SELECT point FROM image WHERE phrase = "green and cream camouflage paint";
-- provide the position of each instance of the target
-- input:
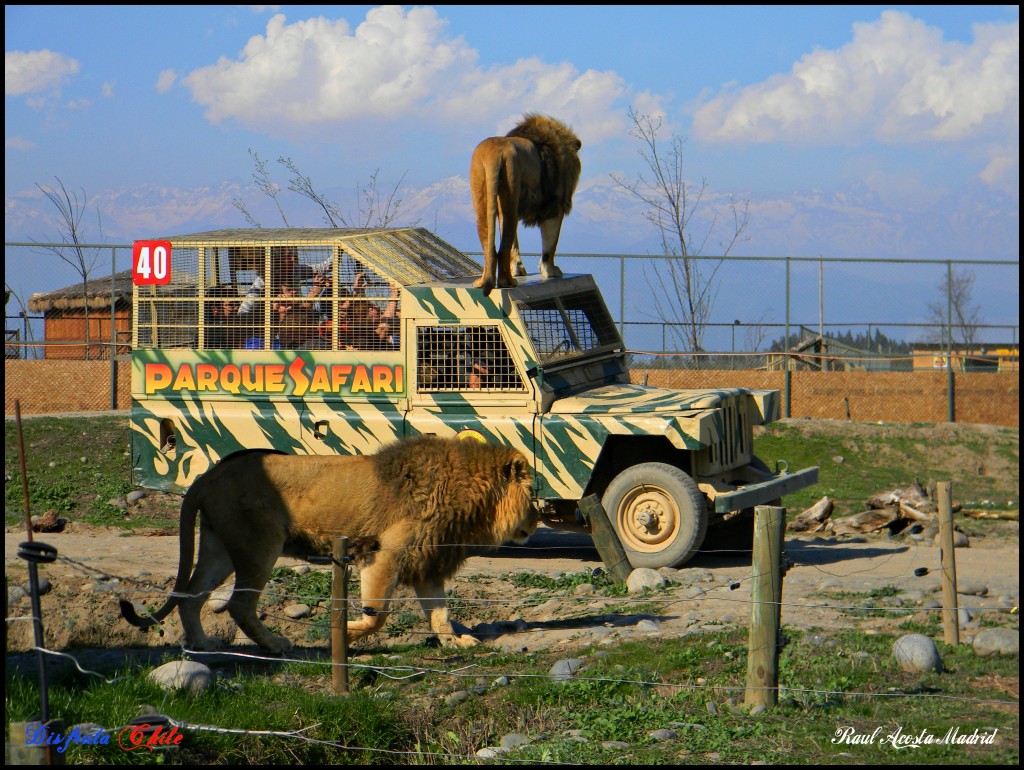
(563, 398)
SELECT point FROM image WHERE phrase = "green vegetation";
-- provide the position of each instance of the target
(875, 458)
(878, 458)
(397, 712)
(600, 579)
(75, 466)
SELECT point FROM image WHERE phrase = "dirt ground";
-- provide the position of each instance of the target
(827, 578)
(829, 584)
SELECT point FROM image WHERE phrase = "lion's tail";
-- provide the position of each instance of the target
(186, 541)
(492, 174)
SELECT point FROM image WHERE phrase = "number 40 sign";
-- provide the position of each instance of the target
(151, 263)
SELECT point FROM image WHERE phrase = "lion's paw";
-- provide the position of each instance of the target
(462, 640)
(550, 271)
(206, 644)
(276, 645)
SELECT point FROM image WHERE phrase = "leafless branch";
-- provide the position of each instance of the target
(71, 211)
(684, 301)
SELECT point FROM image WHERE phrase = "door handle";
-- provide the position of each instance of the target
(320, 430)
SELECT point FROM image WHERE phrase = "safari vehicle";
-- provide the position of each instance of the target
(541, 367)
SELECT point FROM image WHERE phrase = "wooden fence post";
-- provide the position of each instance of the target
(339, 617)
(950, 612)
(606, 541)
(18, 750)
(766, 607)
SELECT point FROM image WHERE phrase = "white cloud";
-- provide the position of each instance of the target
(396, 65)
(107, 90)
(18, 143)
(897, 81)
(165, 80)
(1003, 171)
(27, 72)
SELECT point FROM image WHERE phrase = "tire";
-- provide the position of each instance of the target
(658, 513)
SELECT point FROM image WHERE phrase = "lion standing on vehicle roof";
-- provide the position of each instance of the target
(530, 174)
(423, 501)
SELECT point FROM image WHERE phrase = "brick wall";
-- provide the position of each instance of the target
(44, 387)
(991, 398)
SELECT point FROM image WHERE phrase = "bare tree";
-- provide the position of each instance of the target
(266, 185)
(957, 297)
(23, 335)
(71, 212)
(376, 209)
(683, 298)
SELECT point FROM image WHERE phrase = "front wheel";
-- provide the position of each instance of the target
(659, 514)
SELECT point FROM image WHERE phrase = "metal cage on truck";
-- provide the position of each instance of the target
(541, 367)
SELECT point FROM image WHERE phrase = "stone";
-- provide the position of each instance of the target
(960, 540)
(514, 740)
(972, 589)
(566, 669)
(296, 611)
(644, 578)
(917, 653)
(219, 599)
(182, 675)
(664, 734)
(997, 641)
(457, 697)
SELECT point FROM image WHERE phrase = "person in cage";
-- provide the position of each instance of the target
(295, 320)
(480, 362)
(287, 270)
(479, 374)
(223, 330)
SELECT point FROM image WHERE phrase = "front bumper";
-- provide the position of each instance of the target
(764, 492)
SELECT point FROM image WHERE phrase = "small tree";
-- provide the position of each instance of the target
(375, 209)
(957, 296)
(71, 211)
(15, 335)
(683, 298)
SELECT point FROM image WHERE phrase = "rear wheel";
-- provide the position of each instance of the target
(659, 514)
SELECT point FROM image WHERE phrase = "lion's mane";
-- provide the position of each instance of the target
(454, 496)
(558, 147)
(411, 510)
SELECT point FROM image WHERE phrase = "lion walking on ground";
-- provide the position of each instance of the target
(422, 502)
(530, 174)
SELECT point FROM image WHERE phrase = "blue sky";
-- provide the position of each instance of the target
(853, 131)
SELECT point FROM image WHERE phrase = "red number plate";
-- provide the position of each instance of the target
(151, 263)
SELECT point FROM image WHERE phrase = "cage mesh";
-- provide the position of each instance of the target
(566, 326)
(455, 358)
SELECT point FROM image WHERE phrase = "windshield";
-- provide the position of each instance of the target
(569, 326)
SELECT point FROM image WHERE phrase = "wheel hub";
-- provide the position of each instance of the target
(649, 517)
(648, 520)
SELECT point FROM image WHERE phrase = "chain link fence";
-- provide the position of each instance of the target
(866, 340)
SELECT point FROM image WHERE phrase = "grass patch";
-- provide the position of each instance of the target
(984, 467)
(622, 693)
(877, 458)
(74, 466)
(603, 582)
